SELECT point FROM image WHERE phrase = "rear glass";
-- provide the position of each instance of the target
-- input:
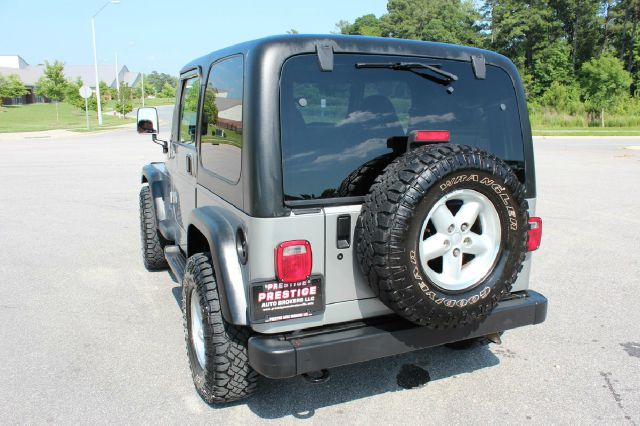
(335, 125)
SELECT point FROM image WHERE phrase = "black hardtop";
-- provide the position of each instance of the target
(259, 192)
(289, 45)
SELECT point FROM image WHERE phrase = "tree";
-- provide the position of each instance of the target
(52, 84)
(367, 25)
(605, 84)
(448, 21)
(105, 91)
(551, 64)
(521, 29)
(11, 87)
(158, 80)
(562, 98)
(168, 91)
(124, 105)
(292, 31)
(72, 96)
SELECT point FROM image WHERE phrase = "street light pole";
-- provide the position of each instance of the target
(95, 57)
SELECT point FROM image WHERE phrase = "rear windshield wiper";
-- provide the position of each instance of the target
(447, 77)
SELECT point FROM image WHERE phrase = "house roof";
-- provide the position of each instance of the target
(107, 73)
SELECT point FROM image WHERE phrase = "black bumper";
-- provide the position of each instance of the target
(291, 354)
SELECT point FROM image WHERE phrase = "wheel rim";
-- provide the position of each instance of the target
(459, 240)
(197, 331)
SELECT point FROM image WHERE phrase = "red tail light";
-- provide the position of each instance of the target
(293, 261)
(535, 233)
(431, 136)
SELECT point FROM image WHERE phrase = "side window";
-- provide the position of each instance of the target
(221, 144)
(189, 110)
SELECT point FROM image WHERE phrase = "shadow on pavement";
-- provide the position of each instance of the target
(295, 397)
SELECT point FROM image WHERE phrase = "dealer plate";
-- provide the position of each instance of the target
(276, 301)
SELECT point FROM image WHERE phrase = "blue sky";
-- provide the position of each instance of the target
(159, 35)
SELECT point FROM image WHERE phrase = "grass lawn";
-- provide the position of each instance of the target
(37, 117)
(589, 131)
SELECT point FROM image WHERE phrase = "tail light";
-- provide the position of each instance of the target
(535, 233)
(293, 261)
(430, 136)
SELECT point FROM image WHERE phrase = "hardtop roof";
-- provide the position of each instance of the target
(306, 43)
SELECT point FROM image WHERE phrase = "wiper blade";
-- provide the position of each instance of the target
(410, 66)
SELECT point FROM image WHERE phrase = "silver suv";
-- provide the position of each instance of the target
(328, 200)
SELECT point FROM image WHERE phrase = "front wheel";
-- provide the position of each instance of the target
(217, 350)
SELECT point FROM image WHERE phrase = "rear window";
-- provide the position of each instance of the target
(336, 124)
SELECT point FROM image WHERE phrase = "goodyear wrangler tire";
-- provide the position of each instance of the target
(442, 235)
(217, 350)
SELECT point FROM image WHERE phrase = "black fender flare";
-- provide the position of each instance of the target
(156, 175)
(220, 229)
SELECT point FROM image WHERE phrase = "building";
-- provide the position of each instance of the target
(29, 74)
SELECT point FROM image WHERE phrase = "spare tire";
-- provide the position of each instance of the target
(442, 234)
(360, 180)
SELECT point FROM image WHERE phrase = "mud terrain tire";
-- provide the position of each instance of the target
(395, 224)
(223, 374)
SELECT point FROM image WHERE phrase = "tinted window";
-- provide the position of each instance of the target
(189, 110)
(221, 144)
(336, 124)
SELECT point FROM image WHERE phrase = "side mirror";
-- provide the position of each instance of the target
(147, 120)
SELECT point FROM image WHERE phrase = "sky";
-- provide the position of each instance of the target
(159, 35)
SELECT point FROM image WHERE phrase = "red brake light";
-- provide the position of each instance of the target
(535, 233)
(432, 136)
(293, 261)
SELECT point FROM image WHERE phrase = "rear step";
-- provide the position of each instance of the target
(177, 261)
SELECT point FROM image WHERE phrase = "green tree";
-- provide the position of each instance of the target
(605, 84)
(168, 91)
(562, 98)
(449, 21)
(293, 31)
(105, 91)
(521, 29)
(124, 105)
(551, 64)
(11, 87)
(367, 25)
(158, 80)
(52, 84)
(72, 96)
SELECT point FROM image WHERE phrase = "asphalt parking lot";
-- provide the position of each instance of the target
(88, 336)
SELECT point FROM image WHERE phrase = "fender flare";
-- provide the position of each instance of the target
(155, 174)
(219, 229)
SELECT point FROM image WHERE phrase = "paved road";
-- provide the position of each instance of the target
(88, 336)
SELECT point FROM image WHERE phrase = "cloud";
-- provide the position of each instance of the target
(358, 117)
(300, 155)
(433, 118)
(362, 150)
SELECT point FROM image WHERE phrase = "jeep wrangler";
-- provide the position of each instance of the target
(328, 200)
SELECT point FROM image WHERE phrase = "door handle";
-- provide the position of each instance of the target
(189, 165)
(343, 237)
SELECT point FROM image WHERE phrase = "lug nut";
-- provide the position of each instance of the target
(451, 228)
(456, 252)
(464, 227)
(467, 241)
(446, 243)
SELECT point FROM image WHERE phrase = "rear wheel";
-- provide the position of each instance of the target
(153, 243)
(217, 350)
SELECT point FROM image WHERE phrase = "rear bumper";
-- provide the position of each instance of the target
(291, 354)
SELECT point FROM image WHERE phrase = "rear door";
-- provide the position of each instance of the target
(182, 164)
